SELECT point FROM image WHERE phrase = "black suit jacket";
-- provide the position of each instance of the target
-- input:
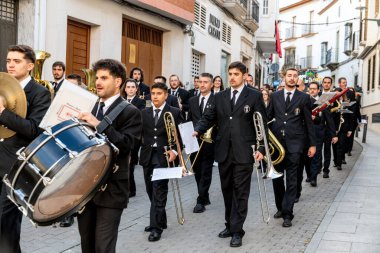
(293, 123)
(193, 93)
(325, 120)
(144, 90)
(150, 131)
(184, 95)
(124, 132)
(38, 101)
(172, 101)
(234, 126)
(138, 102)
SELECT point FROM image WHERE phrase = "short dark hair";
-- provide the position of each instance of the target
(76, 77)
(221, 82)
(291, 69)
(161, 77)
(28, 52)
(141, 72)
(196, 77)
(116, 68)
(315, 84)
(341, 79)
(238, 65)
(59, 64)
(122, 89)
(161, 86)
(327, 77)
(207, 75)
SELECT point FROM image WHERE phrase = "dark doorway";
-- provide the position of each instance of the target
(8, 29)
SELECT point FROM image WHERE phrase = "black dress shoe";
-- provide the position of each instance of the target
(236, 240)
(349, 153)
(313, 183)
(225, 233)
(277, 215)
(307, 180)
(154, 236)
(67, 222)
(297, 199)
(148, 229)
(339, 167)
(287, 223)
(326, 175)
(199, 208)
(344, 162)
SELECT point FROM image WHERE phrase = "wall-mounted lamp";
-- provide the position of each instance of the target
(188, 30)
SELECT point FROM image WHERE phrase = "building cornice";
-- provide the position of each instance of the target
(294, 5)
(327, 7)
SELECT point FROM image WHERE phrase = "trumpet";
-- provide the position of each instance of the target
(171, 131)
(271, 173)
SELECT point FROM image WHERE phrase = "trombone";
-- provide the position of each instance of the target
(171, 131)
(271, 173)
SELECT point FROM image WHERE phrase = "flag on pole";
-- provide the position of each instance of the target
(278, 43)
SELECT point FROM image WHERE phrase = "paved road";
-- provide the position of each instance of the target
(199, 234)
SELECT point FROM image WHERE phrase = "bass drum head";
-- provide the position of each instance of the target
(74, 185)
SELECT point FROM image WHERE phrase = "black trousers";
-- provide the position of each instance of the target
(285, 197)
(326, 153)
(235, 181)
(98, 228)
(10, 225)
(304, 162)
(203, 172)
(314, 164)
(133, 163)
(341, 148)
(158, 193)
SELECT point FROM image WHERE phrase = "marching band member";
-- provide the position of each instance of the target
(99, 222)
(195, 91)
(129, 91)
(20, 62)
(182, 94)
(232, 114)
(205, 159)
(138, 75)
(291, 109)
(171, 100)
(154, 139)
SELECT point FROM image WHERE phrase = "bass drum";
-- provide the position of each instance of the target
(60, 171)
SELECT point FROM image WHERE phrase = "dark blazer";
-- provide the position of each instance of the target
(325, 120)
(124, 132)
(293, 123)
(159, 131)
(144, 90)
(38, 101)
(192, 93)
(234, 126)
(138, 102)
(184, 95)
(172, 101)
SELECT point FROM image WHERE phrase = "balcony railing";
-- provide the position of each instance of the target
(290, 32)
(244, 3)
(307, 29)
(306, 62)
(332, 56)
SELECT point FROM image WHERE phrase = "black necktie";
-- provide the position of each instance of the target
(56, 86)
(287, 101)
(157, 111)
(173, 93)
(100, 114)
(129, 100)
(202, 105)
(233, 100)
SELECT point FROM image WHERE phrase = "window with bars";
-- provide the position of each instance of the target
(374, 70)
(200, 15)
(226, 33)
(195, 64)
(8, 10)
(323, 52)
(348, 38)
(369, 75)
(265, 7)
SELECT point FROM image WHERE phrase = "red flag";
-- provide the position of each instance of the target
(278, 43)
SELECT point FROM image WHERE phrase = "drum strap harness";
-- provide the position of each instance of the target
(109, 118)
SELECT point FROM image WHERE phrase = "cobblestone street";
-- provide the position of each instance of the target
(199, 233)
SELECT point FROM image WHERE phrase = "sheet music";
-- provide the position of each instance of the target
(167, 173)
(325, 97)
(191, 144)
(69, 101)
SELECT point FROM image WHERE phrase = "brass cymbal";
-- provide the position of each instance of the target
(15, 98)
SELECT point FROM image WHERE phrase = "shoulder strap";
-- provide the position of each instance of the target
(109, 118)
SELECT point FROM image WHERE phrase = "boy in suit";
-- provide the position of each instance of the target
(232, 114)
(20, 61)
(99, 222)
(154, 139)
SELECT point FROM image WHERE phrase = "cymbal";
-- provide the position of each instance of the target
(15, 97)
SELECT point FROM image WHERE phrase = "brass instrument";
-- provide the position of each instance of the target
(142, 96)
(171, 131)
(271, 173)
(90, 79)
(15, 100)
(41, 56)
(336, 108)
(277, 151)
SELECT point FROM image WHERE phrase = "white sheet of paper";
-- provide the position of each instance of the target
(166, 173)
(191, 144)
(69, 101)
(324, 98)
